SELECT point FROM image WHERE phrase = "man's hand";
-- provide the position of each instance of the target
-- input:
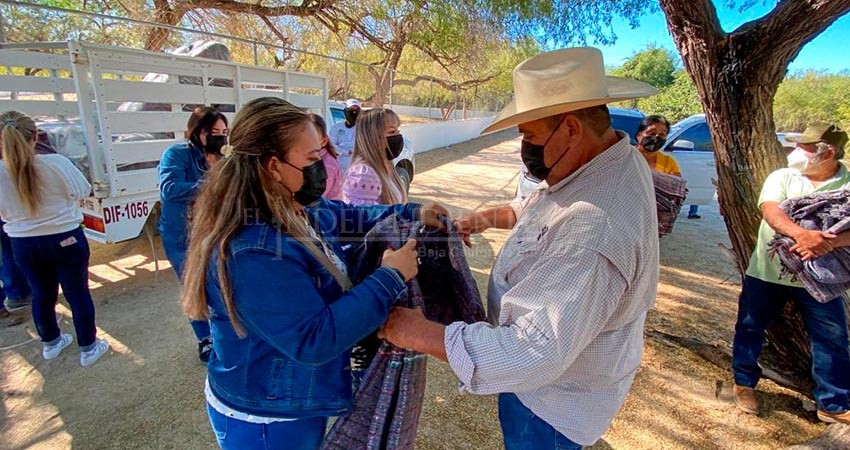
(410, 330)
(471, 224)
(812, 244)
(430, 215)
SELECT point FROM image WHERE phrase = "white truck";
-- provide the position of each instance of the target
(80, 86)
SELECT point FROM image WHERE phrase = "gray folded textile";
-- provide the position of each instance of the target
(828, 276)
(670, 192)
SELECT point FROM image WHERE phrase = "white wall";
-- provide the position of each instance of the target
(435, 113)
(428, 136)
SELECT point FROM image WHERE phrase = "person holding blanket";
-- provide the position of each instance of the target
(570, 290)
(265, 266)
(812, 167)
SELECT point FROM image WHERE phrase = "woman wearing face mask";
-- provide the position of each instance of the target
(181, 170)
(651, 136)
(372, 179)
(267, 271)
(330, 157)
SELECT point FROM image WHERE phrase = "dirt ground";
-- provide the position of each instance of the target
(148, 392)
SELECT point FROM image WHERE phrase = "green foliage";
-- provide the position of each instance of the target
(654, 65)
(812, 97)
(32, 25)
(561, 22)
(676, 101)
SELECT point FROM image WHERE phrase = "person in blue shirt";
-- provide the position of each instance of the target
(181, 172)
(265, 265)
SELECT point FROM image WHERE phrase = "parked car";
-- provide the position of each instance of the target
(626, 120)
(689, 141)
(405, 164)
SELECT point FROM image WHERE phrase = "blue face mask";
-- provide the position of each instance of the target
(533, 157)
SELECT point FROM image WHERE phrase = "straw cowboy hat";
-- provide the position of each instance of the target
(561, 81)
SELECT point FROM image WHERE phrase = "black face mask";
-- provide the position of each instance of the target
(533, 157)
(395, 144)
(313, 185)
(652, 143)
(214, 144)
(350, 116)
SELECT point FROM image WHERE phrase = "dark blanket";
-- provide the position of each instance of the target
(670, 192)
(389, 400)
(827, 277)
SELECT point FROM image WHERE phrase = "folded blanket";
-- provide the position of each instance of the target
(670, 192)
(828, 276)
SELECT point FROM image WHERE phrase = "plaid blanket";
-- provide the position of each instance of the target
(389, 399)
(670, 192)
(827, 277)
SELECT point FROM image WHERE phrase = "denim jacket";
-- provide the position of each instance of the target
(180, 171)
(300, 326)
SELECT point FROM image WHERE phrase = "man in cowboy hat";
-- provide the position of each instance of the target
(812, 167)
(577, 274)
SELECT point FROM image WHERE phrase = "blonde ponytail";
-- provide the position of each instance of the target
(18, 135)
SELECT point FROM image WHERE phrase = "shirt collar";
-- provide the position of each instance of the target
(612, 153)
(825, 185)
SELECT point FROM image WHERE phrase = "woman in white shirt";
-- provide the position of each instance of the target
(39, 206)
(372, 179)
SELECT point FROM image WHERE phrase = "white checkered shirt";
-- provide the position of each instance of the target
(579, 273)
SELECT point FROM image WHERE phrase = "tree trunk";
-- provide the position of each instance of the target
(166, 15)
(385, 74)
(737, 76)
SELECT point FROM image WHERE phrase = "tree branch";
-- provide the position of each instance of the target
(448, 86)
(283, 39)
(693, 21)
(783, 32)
(305, 9)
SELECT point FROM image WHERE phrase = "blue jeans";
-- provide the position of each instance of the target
(176, 254)
(15, 285)
(826, 326)
(234, 434)
(522, 430)
(54, 260)
(693, 210)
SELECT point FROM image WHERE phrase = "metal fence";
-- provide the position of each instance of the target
(415, 97)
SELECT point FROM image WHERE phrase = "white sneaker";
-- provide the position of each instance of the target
(52, 351)
(90, 357)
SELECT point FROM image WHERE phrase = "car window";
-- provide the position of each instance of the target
(699, 135)
(338, 115)
(629, 124)
(684, 123)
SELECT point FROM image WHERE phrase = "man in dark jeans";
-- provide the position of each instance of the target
(812, 167)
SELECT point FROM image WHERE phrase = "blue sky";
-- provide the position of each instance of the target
(822, 53)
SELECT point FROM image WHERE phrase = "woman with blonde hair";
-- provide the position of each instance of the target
(265, 267)
(43, 220)
(372, 179)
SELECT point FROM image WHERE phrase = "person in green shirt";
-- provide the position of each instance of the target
(812, 167)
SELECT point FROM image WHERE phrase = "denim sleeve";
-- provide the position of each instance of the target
(173, 183)
(277, 299)
(356, 221)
